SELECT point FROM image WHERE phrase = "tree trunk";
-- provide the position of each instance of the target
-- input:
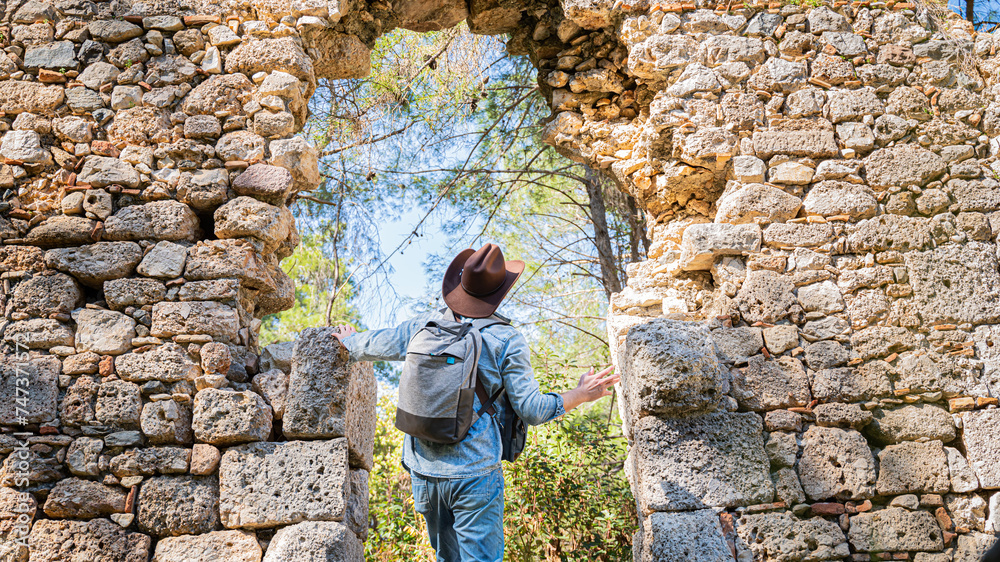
(637, 230)
(970, 13)
(602, 240)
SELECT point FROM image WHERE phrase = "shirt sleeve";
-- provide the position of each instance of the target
(530, 404)
(388, 344)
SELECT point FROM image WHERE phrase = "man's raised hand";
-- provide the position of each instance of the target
(343, 331)
(592, 386)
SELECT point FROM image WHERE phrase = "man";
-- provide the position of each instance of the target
(459, 488)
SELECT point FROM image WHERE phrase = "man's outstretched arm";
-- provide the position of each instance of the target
(592, 386)
(388, 344)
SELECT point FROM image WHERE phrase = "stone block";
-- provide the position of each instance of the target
(247, 217)
(972, 547)
(209, 318)
(222, 259)
(956, 284)
(103, 331)
(701, 243)
(771, 384)
(272, 386)
(82, 456)
(216, 546)
(223, 417)
(158, 220)
(694, 536)
(75, 498)
(122, 293)
(43, 295)
(963, 478)
(737, 345)
(164, 261)
(981, 437)
(150, 461)
(967, 511)
(96, 263)
(165, 363)
(270, 184)
(315, 541)
(266, 485)
(766, 296)
(782, 536)
(821, 297)
(836, 464)
(166, 422)
(670, 367)
(178, 505)
(713, 460)
(902, 166)
(356, 515)
(835, 414)
(119, 404)
(910, 423)
(895, 529)
(913, 467)
(29, 389)
(98, 539)
(38, 333)
(749, 202)
(328, 397)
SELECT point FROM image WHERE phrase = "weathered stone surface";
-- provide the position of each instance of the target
(24, 146)
(966, 510)
(270, 184)
(209, 318)
(46, 294)
(178, 505)
(693, 536)
(956, 284)
(895, 529)
(327, 397)
(150, 461)
(159, 220)
(822, 297)
(78, 541)
(756, 201)
(670, 367)
(61, 231)
(910, 423)
(770, 384)
(17, 97)
(229, 418)
(267, 485)
(345, 55)
(782, 536)
(225, 92)
(38, 333)
(220, 259)
(75, 498)
(167, 363)
(96, 263)
(164, 261)
(272, 386)
(82, 456)
(831, 198)
(103, 331)
(314, 541)
(298, 157)
(35, 401)
(963, 478)
(216, 546)
(166, 422)
(113, 31)
(766, 296)
(100, 171)
(267, 55)
(737, 345)
(732, 468)
(122, 293)
(248, 217)
(842, 415)
(913, 467)
(241, 145)
(703, 242)
(119, 404)
(902, 166)
(796, 138)
(836, 464)
(981, 437)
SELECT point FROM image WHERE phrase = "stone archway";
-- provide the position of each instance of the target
(782, 335)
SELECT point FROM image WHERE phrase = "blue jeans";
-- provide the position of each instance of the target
(464, 516)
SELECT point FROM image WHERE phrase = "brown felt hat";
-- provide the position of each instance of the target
(478, 280)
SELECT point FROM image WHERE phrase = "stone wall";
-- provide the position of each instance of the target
(807, 355)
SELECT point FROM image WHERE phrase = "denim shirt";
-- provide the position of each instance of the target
(504, 351)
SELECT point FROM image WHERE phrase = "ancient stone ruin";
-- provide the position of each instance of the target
(808, 359)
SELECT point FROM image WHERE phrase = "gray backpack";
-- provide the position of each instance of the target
(440, 378)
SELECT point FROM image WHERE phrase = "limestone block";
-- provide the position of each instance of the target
(356, 515)
(910, 423)
(693, 536)
(178, 505)
(28, 389)
(315, 541)
(119, 404)
(993, 522)
(217, 546)
(748, 169)
(853, 105)
(101, 171)
(670, 367)
(158, 220)
(972, 547)
(766, 296)
(38, 333)
(829, 198)
(821, 297)
(779, 75)
(150, 461)
(895, 529)
(54, 540)
(714, 460)
(164, 261)
(223, 417)
(787, 487)
(967, 510)
(782, 449)
(796, 138)
(701, 243)
(224, 92)
(756, 201)
(267, 55)
(103, 331)
(328, 397)
(240, 145)
(96, 263)
(879, 341)
(113, 31)
(272, 386)
(956, 284)
(737, 345)
(166, 422)
(266, 485)
(902, 166)
(122, 293)
(780, 339)
(46, 294)
(270, 184)
(981, 437)
(836, 464)
(61, 231)
(963, 479)
(166, 363)
(770, 384)
(494, 17)
(24, 146)
(220, 259)
(209, 318)
(298, 157)
(248, 217)
(913, 467)
(835, 414)
(75, 498)
(82, 456)
(782, 536)
(17, 97)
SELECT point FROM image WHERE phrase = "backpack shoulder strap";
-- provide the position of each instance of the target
(487, 401)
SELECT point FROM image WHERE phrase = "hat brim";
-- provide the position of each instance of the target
(461, 302)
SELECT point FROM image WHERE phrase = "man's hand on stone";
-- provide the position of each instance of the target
(343, 331)
(592, 386)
